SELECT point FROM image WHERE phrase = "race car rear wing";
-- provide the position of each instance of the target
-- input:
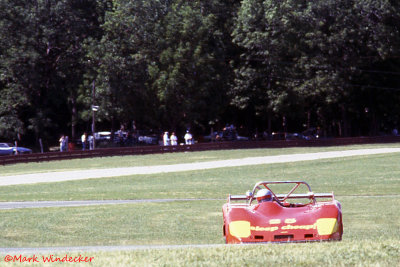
(282, 197)
(309, 195)
(238, 197)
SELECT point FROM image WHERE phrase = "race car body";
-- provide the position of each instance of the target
(285, 217)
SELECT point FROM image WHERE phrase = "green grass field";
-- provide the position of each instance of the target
(367, 186)
(162, 159)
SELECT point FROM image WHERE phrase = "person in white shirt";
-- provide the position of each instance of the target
(188, 138)
(174, 139)
(62, 143)
(166, 139)
(84, 140)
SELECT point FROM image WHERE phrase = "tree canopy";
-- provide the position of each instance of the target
(264, 65)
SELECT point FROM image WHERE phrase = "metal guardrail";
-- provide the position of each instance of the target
(141, 150)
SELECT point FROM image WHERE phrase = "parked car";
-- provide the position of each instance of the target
(294, 136)
(225, 135)
(147, 138)
(125, 138)
(278, 136)
(287, 136)
(311, 134)
(10, 149)
(101, 136)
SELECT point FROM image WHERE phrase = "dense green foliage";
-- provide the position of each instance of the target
(172, 64)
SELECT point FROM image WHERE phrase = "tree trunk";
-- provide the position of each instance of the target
(74, 118)
(269, 124)
(345, 126)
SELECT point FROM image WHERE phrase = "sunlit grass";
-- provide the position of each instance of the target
(345, 253)
(168, 158)
(367, 186)
(181, 222)
(361, 175)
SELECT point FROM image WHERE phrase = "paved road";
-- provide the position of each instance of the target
(81, 203)
(115, 172)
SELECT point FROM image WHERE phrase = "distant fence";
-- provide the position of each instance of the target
(141, 150)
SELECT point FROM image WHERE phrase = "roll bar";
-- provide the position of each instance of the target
(249, 197)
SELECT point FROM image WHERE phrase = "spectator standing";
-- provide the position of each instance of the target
(174, 139)
(188, 138)
(84, 140)
(91, 143)
(166, 139)
(66, 148)
(62, 143)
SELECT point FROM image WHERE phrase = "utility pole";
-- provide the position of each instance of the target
(94, 109)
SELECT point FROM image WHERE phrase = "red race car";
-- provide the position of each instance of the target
(267, 216)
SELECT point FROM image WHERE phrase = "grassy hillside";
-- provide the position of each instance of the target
(367, 186)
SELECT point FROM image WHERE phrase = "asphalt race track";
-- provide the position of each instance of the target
(115, 172)
(81, 203)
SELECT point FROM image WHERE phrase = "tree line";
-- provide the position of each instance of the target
(263, 65)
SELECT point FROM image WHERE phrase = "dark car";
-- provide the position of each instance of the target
(10, 149)
(287, 136)
(225, 135)
(147, 138)
(311, 134)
